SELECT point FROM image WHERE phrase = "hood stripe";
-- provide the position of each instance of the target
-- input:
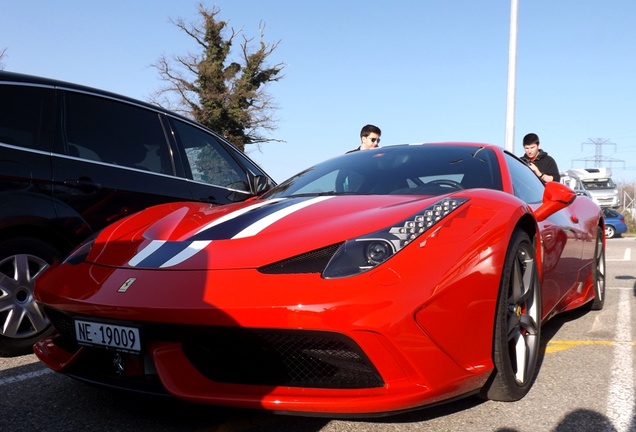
(270, 219)
(161, 252)
(255, 219)
(192, 249)
(239, 224)
(146, 252)
(236, 213)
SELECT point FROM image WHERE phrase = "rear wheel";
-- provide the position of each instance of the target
(517, 323)
(598, 272)
(22, 323)
(610, 232)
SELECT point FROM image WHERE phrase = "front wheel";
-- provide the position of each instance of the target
(22, 323)
(517, 323)
(598, 272)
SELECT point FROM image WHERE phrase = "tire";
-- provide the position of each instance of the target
(598, 272)
(610, 232)
(517, 333)
(22, 323)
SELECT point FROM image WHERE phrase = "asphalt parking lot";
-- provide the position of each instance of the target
(585, 383)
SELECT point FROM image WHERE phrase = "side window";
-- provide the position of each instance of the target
(115, 132)
(208, 158)
(27, 116)
(525, 183)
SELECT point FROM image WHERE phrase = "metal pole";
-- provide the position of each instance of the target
(512, 76)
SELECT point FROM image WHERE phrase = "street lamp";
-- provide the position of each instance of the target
(512, 76)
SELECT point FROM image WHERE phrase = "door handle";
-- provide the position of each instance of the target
(85, 184)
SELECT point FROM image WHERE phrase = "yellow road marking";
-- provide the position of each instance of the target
(561, 345)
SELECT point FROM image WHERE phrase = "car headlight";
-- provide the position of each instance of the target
(364, 253)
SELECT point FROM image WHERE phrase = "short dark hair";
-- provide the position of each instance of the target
(369, 129)
(531, 138)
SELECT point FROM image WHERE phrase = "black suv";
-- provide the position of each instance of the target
(74, 159)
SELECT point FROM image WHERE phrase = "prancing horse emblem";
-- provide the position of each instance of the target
(124, 287)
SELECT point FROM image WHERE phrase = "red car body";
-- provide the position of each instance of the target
(263, 305)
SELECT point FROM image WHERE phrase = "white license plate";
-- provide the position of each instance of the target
(121, 338)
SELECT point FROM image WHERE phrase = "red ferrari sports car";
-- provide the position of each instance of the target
(372, 283)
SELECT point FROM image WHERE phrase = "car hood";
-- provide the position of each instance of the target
(246, 235)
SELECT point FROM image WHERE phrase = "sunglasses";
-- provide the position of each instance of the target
(373, 140)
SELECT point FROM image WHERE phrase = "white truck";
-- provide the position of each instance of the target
(597, 182)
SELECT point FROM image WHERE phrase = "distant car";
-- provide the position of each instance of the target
(597, 182)
(614, 223)
(74, 159)
(375, 282)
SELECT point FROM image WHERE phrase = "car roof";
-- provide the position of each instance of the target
(21, 78)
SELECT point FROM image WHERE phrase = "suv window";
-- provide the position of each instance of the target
(26, 116)
(114, 132)
(209, 161)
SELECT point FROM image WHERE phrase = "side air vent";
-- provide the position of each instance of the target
(311, 262)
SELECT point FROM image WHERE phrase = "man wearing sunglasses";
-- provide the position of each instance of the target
(369, 138)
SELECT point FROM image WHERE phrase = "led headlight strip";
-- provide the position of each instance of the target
(412, 228)
(361, 254)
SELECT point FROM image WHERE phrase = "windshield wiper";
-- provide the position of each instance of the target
(326, 193)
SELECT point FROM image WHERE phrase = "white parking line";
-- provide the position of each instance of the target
(620, 401)
(25, 376)
(627, 256)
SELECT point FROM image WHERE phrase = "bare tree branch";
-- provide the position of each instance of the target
(3, 53)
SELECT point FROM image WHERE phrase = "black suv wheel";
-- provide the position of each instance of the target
(22, 260)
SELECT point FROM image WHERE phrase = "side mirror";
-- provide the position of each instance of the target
(261, 184)
(556, 196)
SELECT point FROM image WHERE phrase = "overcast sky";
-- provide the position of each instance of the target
(422, 70)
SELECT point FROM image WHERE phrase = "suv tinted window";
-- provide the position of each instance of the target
(105, 130)
(209, 161)
(26, 116)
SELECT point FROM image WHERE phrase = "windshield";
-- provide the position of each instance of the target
(604, 183)
(427, 169)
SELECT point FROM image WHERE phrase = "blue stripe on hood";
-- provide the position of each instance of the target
(228, 229)
(163, 254)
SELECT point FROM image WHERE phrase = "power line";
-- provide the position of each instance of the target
(598, 159)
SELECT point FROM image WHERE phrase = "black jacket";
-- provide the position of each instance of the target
(545, 163)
